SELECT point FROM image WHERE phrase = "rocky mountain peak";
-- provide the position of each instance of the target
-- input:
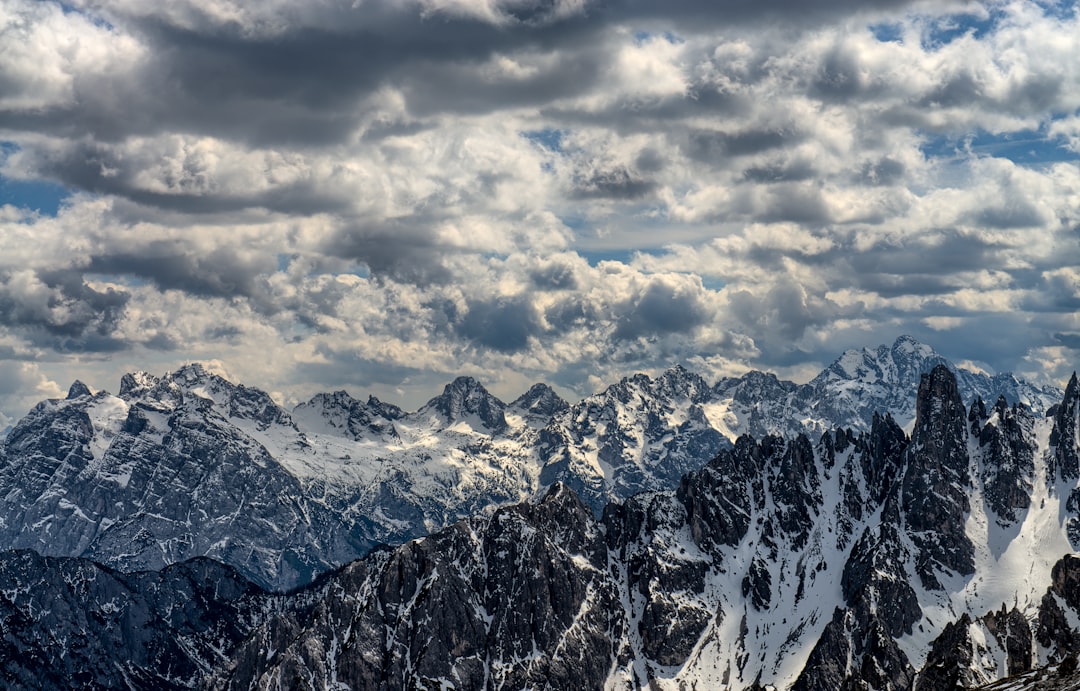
(540, 400)
(755, 386)
(911, 347)
(135, 384)
(936, 485)
(466, 396)
(386, 410)
(192, 373)
(1063, 437)
(681, 382)
(78, 390)
(340, 413)
(938, 402)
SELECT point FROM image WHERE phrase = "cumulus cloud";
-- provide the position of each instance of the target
(387, 194)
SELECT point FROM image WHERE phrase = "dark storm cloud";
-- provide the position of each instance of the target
(884, 171)
(1069, 340)
(504, 324)
(554, 275)
(101, 169)
(794, 202)
(792, 171)
(921, 265)
(402, 249)
(571, 312)
(175, 266)
(662, 308)
(1014, 213)
(705, 145)
(624, 118)
(784, 312)
(966, 89)
(617, 184)
(701, 13)
(302, 86)
(58, 310)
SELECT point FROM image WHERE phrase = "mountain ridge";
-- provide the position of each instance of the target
(346, 474)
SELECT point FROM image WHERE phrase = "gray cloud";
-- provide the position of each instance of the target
(662, 308)
(57, 310)
(403, 249)
(173, 266)
(615, 184)
(505, 324)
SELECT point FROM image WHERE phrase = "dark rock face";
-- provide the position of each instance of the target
(813, 562)
(78, 390)
(520, 601)
(934, 496)
(1012, 632)
(720, 496)
(1063, 437)
(1053, 630)
(1006, 443)
(69, 623)
(949, 664)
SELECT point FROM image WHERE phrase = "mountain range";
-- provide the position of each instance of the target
(189, 464)
(937, 557)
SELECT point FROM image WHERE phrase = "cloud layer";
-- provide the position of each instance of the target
(386, 194)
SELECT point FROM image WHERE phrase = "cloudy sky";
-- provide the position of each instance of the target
(380, 195)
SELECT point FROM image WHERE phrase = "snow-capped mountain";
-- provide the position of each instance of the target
(863, 560)
(875, 559)
(164, 472)
(190, 464)
(857, 385)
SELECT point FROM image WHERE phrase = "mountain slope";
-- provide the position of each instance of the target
(163, 473)
(69, 623)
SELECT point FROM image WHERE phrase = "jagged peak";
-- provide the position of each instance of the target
(909, 344)
(136, 383)
(977, 410)
(190, 372)
(541, 399)
(465, 387)
(937, 393)
(387, 410)
(562, 502)
(1072, 390)
(337, 399)
(78, 390)
(677, 374)
(467, 396)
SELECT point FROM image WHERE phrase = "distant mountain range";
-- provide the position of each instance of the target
(876, 559)
(190, 464)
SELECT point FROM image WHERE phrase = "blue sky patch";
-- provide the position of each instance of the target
(37, 195)
(549, 138)
(1025, 147)
(945, 30)
(888, 32)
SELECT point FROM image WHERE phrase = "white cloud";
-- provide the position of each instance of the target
(533, 189)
